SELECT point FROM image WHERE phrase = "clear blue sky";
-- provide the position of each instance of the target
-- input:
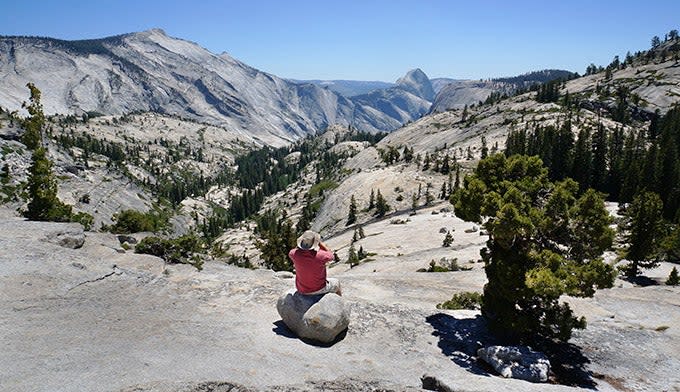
(371, 40)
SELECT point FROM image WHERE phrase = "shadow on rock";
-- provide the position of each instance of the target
(459, 339)
(568, 365)
(640, 280)
(281, 329)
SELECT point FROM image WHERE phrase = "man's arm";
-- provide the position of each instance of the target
(323, 246)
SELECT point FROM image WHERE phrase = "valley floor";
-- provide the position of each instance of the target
(100, 318)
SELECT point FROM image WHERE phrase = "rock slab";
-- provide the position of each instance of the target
(517, 362)
(320, 318)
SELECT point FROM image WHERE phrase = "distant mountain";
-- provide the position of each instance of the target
(409, 99)
(348, 88)
(150, 71)
(417, 83)
(439, 83)
(458, 93)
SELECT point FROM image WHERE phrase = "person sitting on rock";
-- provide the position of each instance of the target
(310, 258)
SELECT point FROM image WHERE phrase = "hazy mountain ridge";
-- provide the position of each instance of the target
(150, 71)
(348, 88)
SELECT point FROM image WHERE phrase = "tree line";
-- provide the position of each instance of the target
(617, 163)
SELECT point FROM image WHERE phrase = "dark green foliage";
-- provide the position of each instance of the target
(242, 261)
(360, 136)
(34, 123)
(620, 112)
(544, 76)
(89, 145)
(278, 238)
(43, 203)
(381, 206)
(620, 165)
(446, 266)
(448, 239)
(4, 174)
(307, 216)
(544, 242)
(407, 154)
(212, 226)
(362, 254)
(549, 92)
(132, 221)
(464, 300)
(643, 228)
(84, 219)
(671, 244)
(352, 256)
(389, 156)
(673, 279)
(265, 171)
(182, 250)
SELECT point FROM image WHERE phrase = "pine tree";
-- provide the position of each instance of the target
(33, 125)
(428, 196)
(352, 256)
(371, 200)
(448, 239)
(352, 216)
(307, 216)
(543, 242)
(633, 154)
(381, 206)
(277, 241)
(456, 184)
(43, 203)
(361, 254)
(583, 160)
(407, 154)
(442, 192)
(673, 279)
(643, 227)
(669, 164)
(599, 176)
(485, 149)
(562, 151)
(362, 235)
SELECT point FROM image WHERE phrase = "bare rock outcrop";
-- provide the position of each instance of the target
(68, 236)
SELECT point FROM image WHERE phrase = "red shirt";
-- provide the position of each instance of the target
(310, 269)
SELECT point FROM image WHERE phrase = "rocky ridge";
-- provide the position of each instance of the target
(150, 71)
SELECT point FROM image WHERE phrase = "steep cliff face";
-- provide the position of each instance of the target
(150, 71)
(418, 83)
